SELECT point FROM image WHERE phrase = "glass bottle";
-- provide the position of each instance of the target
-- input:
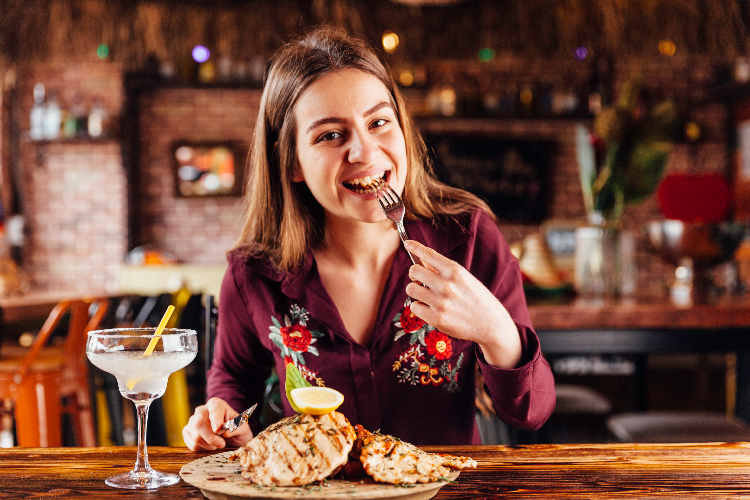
(96, 119)
(37, 113)
(52, 118)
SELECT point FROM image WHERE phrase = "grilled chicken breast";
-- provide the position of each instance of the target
(297, 450)
(389, 460)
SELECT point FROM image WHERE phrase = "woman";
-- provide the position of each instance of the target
(319, 277)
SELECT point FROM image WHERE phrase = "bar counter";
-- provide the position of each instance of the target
(706, 470)
(567, 312)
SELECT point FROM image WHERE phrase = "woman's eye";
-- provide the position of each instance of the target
(329, 136)
(379, 122)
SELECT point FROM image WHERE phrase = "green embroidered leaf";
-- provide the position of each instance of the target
(276, 339)
(399, 334)
(276, 322)
(294, 380)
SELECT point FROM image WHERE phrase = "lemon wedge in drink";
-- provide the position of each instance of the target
(316, 400)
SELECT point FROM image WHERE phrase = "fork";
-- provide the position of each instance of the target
(393, 208)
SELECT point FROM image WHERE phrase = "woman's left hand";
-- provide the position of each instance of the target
(459, 305)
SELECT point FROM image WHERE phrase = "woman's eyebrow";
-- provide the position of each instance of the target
(370, 111)
(376, 108)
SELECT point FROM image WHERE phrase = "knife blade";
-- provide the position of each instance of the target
(233, 423)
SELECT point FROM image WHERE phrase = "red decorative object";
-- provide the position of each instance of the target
(409, 322)
(695, 197)
(296, 337)
(439, 345)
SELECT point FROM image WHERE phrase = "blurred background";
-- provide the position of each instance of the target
(125, 128)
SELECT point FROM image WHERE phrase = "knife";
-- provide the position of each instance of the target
(233, 423)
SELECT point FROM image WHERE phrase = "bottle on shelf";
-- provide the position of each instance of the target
(96, 119)
(52, 118)
(36, 131)
(73, 121)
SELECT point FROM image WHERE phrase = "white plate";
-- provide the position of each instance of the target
(218, 477)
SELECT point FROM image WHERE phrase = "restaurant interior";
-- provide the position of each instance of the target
(636, 264)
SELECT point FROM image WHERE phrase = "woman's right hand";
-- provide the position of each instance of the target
(199, 433)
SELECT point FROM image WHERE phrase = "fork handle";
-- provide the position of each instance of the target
(404, 237)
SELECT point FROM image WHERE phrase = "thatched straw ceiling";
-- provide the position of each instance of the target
(69, 30)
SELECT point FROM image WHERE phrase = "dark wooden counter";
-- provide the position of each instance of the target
(566, 313)
(713, 470)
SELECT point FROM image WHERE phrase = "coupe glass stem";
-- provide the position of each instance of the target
(141, 463)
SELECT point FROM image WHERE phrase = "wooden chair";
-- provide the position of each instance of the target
(36, 379)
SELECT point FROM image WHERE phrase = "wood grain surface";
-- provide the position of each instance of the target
(564, 313)
(713, 470)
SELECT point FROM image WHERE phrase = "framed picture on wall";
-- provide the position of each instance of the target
(208, 168)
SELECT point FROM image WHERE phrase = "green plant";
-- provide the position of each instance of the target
(622, 161)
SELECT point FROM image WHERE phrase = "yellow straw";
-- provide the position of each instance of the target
(159, 329)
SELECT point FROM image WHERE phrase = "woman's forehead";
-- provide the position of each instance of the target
(340, 93)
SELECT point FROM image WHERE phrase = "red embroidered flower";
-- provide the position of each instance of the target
(439, 344)
(409, 322)
(296, 337)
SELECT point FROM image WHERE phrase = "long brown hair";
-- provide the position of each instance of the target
(281, 218)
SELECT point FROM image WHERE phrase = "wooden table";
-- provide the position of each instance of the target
(643, 326)
(714, 470)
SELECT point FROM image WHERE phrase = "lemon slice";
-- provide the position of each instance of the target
(316, 400)
(131, 383)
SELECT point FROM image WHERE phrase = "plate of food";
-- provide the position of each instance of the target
(323, 456)
(319, 454)
(219, 478)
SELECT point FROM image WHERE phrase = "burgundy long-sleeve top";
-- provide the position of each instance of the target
(411, 381)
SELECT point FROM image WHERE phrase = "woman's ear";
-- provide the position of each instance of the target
(297, 173)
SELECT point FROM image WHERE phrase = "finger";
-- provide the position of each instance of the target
(424, 312)
(198, 435)
(427, 256)
(423, 275)
(240, 436)
(219, 412)
(205, 425)
(194, 441)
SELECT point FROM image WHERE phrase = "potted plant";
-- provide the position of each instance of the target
(621, 162)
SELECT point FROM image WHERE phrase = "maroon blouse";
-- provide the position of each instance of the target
(412, 381)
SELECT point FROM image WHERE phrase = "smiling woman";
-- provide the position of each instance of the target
(318, 278)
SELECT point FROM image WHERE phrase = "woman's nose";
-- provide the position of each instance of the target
(363, 148)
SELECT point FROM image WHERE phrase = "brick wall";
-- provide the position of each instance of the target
(78, 217)
(73, 192)
(193, 230)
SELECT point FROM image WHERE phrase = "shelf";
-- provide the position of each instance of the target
(140, 82)
(542, 127)
(71, 140)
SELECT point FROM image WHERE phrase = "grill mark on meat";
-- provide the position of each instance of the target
(298, 450)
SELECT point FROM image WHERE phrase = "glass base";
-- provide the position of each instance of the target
(142, 480)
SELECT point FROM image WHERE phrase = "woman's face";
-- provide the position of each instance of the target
(348, 134)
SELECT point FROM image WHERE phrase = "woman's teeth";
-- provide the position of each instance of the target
(363, 184)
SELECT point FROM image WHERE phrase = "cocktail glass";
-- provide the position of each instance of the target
(141, 378)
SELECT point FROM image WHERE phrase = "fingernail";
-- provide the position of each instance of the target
(409, 244)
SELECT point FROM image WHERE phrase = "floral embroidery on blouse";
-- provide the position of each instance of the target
(294, 339)
(426, 361)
